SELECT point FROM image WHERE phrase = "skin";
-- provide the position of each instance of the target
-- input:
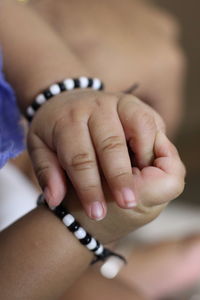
(98, 286)
(122, 46)
(47, 253)
(103, 122)
(166, 170)
(40, 242)
(134, 42)
(154, 271)
(142, 126)
(153, 186)
(178, 258)
(36, 252)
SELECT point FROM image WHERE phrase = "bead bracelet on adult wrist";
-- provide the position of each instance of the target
(100, 252)
(59, 87)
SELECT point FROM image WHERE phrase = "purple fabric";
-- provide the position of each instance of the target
(11, 132)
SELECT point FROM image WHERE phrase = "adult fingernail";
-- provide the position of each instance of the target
(128, 198)
(97, 211)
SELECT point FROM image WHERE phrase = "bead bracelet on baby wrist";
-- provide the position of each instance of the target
(101, 253)
(59, 87)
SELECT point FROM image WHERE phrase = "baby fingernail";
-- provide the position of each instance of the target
(128, 197)
(46, 194)
(97, 211)
(47, 198)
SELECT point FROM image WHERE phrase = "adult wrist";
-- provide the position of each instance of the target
(85, 238)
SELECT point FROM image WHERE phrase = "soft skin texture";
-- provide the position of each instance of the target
(102, 121)
(125, 42)
(36, 254)
(154, 187)
(84, 129)
(155, 271)
(40, 242)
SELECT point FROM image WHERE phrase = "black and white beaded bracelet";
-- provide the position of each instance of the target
(59, 87)
(101, 253)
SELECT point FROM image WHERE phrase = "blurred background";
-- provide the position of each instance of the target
(188, 141)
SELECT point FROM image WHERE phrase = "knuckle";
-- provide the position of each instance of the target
(98, 101)
(112, 143)
(120, 175)
(88, 188)
(82, 161)
(145, 121)
(105, 100)
(75, 115)
(41, 171)
(59, 127)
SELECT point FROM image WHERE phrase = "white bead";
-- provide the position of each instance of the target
(111, 267)
(92, 244)
(69, 84)
(40, 99)
(80, 233)
(30, 111)
(96, 84)
(83, 82)
(99, 250)
(54, 89)
(68, 220)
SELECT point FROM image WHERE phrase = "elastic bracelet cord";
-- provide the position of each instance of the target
(59, 87)
(101, 253)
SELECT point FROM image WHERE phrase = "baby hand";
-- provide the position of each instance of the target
(154, 186)
(82, 134)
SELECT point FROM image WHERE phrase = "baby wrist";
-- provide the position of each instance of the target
(59, 87)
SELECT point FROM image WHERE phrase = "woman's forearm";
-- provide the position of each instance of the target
(34, 55)
(40, 258)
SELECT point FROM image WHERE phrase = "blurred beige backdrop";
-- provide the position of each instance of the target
(187, 11)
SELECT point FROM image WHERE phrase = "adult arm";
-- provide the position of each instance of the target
(40, 258)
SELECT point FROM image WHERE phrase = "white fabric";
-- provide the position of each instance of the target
(17, 195)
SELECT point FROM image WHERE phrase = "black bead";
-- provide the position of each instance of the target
(62, 86)
(90, 82)
(35, 105)
(29, 118)
(76, 83)
(47, 94)
(60, 213)
(74, 226)
(86, 239)
(101, 87)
